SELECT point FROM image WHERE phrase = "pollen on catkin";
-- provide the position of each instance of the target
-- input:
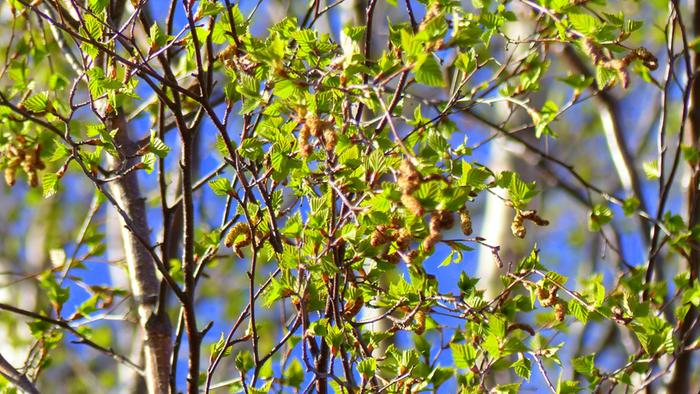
(378, 236)
(331, 138)
(439, 220)
(315, 125)
(465, 221)
(419, 318)
(412, 204)
(560, 311)
(547, 297)
(237, 229)
(518, 226)
(26, 157)
(403, 239)
(234, 240)
(409, 180)
(409, 177)
(305, 148)
(10, 176)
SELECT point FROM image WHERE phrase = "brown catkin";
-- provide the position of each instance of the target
(619, 65)
(33, 179)
(331, 138)
(465, 221)
(517, 227)
(593, 51)
(648, 59)
(445, 219)
(439, 220)
(10, 176)
(560, 311)
(533, 217)
(378, 236)
(420, 322)
(227, 53)
(412, 204)
(26, 157)
(411, 257)
(409, 177)
(393, 258)
(547, 297)
(305, 148)
(430, 241)
(403, 239)
(409, 180)
(315, 125)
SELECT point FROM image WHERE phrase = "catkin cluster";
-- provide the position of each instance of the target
(409, 181)
(239, 236)
(439, 220)
(22, 156)
(548, 298)
(396, 233)
(383, 234)
(518, 225)
(619, 65)
(233, 237)
(305, 147)
(319, 128)
(465, 221)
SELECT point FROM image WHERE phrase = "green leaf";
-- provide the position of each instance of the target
(209, 8)
(497, 326)
(584, 365)
(577, 81)
(56, 294)
(244, 361)
(156, 37)
(59, 152)
(367, 367)
(578, 310)
(599, 216)
(584, 23)
(651, 169)
(428, 71)
(148, 162)
(251, 148)
(567, 386)
(93, 26)
(157, 146)
(463, 355)
(221, 186)
(49, 184)
(522, 367)
(510, 388)
(37, 103)
(98, 6)
(604, 76)
(294, 374)
(630, 205)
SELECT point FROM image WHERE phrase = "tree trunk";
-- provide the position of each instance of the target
(144, 282)
(683, 368)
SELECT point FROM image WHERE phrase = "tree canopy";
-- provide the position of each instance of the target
(352, 196)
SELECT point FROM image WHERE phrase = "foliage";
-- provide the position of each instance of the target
(343, 187)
